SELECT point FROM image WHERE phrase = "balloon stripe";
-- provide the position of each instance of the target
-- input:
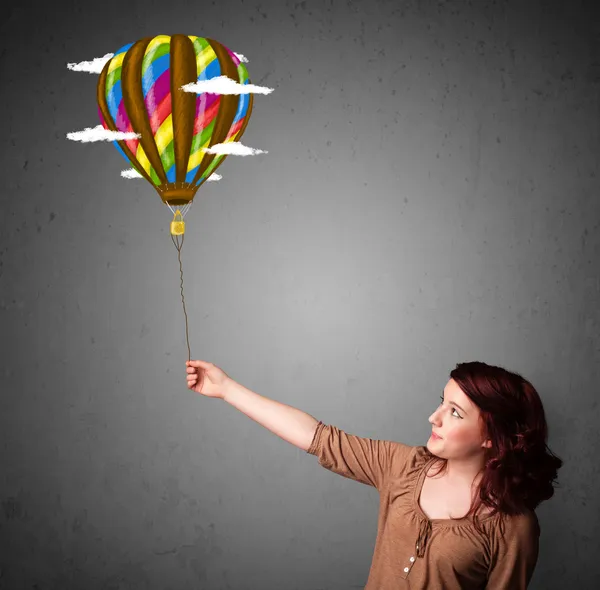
(156, 89)
(108, 122)
(210, 69)
(196, 158)
(164, 136)
(204, 53)
(132, 144)
(113, 78)
(202, 177)
(156, 80)
(116, 144)
(141, 157)
(205, 125)
(172, 172)
(135, 105)
(190, 175)
(102, 119)
(196, 154)
(205, 61)
(234, 57)
(210, 168)
(122, 120)
(114, 99)
(122, 51)
(156, 48)
(163, 139)
(160, 90)
(123, 124)
(244, 109)
(115, 62)
(112, 93)
(207, 104)
(114, 96)
(204, 139)
(200, 142)
(234, 130)
(243, 73)
(157, 181)
(154, 72)
(207, 133)
(209, 114)
(239, 116)
(204, 102)
(244, 100)
(162, 111)
(219, 159)
(228, 104)
(200, 44)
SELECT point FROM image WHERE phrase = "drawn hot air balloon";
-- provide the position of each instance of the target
(139, 91)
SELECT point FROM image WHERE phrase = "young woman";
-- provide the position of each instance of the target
(457, 513)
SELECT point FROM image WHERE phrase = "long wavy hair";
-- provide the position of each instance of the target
(519, 468)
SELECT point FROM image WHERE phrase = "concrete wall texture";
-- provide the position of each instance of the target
(430, 196)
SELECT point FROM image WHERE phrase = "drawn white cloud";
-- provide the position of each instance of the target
(224, 85)
(98, 133)
(131, 173)
(97, 64)
(93, 67)
(234, 148)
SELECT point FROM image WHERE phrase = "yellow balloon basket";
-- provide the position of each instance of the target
(177, 225)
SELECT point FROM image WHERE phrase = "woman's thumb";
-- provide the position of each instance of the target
(198, 363)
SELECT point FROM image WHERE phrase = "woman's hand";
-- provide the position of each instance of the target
(207, 379)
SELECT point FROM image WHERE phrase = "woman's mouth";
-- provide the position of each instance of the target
(434, 436)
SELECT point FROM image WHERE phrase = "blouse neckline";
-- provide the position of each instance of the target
(442, 521)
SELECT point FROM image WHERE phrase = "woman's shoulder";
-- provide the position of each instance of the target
(409, 460)
(523, 527)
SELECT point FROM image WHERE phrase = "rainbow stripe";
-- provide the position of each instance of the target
(238, 120)
(116, 107)
(207, 104)
(156, 86)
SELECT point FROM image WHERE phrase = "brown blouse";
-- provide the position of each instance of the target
(412, 551)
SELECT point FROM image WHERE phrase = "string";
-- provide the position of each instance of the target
(179, 247)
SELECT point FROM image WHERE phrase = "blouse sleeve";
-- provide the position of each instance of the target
(366, 460)
(514, 557)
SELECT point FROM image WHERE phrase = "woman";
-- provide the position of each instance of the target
(468, 524)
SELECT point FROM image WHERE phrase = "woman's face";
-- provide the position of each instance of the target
(457, 421)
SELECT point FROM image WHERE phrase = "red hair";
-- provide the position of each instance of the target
(519, 467)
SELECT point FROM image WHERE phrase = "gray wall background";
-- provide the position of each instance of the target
(430, 196)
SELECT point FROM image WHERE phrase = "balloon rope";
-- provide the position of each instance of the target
(178, 246)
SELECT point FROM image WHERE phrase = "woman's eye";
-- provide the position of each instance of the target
(453, 409)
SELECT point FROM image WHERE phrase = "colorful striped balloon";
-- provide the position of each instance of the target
(139, 90)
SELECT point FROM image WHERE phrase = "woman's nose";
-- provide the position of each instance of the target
(434, 418)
